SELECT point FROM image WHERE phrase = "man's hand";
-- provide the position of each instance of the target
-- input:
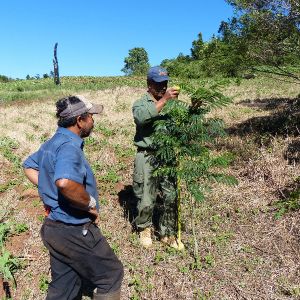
(95, 215)
(170, 93)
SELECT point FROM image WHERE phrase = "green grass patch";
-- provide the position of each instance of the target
(292, 203)
(45, 88)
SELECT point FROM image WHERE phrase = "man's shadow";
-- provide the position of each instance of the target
(128, 202)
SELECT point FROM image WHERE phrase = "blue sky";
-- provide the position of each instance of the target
(95, 36)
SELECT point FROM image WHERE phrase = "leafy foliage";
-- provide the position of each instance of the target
(269, 30)
(4, 231)
(261, 33)
(136, 63)
(4, 78)
(292, 203)
(7, 149)
(183, 141)
(198, 47)
(8, 265)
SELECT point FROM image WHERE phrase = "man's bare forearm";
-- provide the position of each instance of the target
(32, 175)
(75, 192)
(170, 94)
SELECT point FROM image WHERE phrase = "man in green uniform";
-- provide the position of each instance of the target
(146, 111)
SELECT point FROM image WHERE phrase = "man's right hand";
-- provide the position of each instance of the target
(95, 215)
(170, 93)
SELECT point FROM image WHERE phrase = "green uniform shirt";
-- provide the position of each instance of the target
(144, 114)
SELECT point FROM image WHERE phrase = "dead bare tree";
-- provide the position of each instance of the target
(55, 64)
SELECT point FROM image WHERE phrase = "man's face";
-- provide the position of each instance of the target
(157, 89)
(87, 126)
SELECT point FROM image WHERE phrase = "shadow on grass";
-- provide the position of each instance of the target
(268, 103)
(283, 120)
(128, 201)
(292, 152)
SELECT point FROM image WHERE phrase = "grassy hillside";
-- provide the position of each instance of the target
(248, 234)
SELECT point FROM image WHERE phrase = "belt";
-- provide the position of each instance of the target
(147, 150)
(60, 223)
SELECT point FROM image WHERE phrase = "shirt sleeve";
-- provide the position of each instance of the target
(70, 164)
(32, 162)
(143, 113)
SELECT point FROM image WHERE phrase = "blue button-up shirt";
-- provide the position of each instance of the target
(62, 157)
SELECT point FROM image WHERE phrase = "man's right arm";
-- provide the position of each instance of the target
(69, 176)
(31, 168)
(170, 93)
(32, 175)
(75, 192)
(145, 111)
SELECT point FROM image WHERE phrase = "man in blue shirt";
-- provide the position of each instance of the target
(68, 189)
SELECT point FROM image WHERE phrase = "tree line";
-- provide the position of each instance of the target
(262, 36)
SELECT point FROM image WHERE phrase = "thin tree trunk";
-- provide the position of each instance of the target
(178, 210)
(178, 199)
(55, 64)
(196, 248)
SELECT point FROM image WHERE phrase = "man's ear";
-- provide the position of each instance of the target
(79, 121)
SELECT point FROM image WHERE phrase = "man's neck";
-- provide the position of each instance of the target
(155, 100)
(74, 129)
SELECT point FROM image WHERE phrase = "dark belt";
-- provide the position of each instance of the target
(146, 150)
(60, 223)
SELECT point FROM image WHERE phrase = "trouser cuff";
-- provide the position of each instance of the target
(116, 295)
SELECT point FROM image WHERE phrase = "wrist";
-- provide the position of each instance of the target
(163, 100)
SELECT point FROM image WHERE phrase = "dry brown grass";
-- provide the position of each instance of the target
(245, 252)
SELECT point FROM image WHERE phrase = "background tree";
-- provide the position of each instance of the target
(136, 63)
(4, 78)
(269, 30)
(55, 65)
(197, 50)
(263, 35)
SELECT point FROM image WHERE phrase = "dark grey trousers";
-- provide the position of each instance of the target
(74, 257)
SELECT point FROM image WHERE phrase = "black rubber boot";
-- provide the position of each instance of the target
(116, 295)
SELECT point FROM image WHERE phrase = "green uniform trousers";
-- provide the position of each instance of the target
(146, 189)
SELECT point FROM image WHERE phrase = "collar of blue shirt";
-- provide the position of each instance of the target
(76, 139)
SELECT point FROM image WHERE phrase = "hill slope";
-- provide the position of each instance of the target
(246, 252)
